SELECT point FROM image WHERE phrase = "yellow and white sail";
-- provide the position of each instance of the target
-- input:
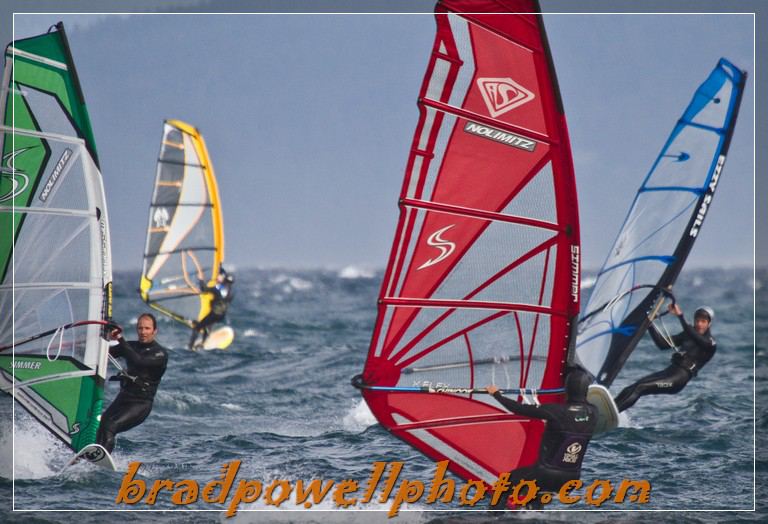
(185, 233)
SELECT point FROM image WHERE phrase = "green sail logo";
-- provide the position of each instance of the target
(19, 180)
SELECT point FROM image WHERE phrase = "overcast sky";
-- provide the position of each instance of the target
(309, 117)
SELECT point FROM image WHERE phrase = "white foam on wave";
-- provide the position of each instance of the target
(626, 422)
(359, 417)
(250, 332)
(354, 272)
(372, 512)
(180, 401)
(291, 284)
(232, 407)
(34, 448)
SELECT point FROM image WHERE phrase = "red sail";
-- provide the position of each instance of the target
(482, 280)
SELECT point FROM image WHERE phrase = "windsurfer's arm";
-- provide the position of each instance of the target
(661, 341)
(117, 351)
(517, 407)
(202, 284)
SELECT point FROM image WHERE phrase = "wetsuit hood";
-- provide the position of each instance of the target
(576, 385)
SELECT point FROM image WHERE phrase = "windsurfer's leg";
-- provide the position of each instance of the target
(120, 416)
(667, 382)
(196, 329)
(105, 436)
(205, 325)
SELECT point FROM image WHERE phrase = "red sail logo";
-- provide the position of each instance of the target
(502, 94)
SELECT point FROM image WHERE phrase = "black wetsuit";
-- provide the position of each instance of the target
(694, 351)
(563, 444)
(138, 385)
(222, 296)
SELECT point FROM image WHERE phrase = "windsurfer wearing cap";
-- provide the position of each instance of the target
(221, 296)
(146, 361)
(569, 428)
(694, 347)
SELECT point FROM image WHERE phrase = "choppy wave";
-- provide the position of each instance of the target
(280, 400)
(353, 272)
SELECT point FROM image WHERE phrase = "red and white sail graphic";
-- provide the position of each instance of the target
(498, 192)
(502, 94)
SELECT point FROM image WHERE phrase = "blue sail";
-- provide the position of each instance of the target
(661, 227)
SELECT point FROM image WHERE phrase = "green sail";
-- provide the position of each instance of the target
(55, 259)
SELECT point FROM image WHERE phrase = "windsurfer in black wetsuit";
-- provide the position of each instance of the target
(146, 362)
(222, 295)
(569, 428)
(694, 347)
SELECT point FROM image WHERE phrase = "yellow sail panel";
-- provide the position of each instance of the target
(185, 233)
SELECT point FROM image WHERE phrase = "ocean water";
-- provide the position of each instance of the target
(279, 400)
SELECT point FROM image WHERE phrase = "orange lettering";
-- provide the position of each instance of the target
(565, 492)
(285, 492)
(643, 486)
(479, 486)
(131, 490)
(407, 492)
(442, 488)
(605, 492)
(228, 474)
(316, 488)
(247, 491)
(344, 487)
(186, 495)
(157, 487)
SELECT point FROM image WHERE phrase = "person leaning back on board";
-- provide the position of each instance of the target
(146, 361)
(694, 346)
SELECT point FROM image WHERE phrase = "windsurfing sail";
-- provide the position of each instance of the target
(661, 226)
(185, 234)
(55, 261)
(482, 284)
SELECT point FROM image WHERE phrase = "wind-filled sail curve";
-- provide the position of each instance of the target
(185, 233)
(482, 281)
(661, 226)
(55, 256)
